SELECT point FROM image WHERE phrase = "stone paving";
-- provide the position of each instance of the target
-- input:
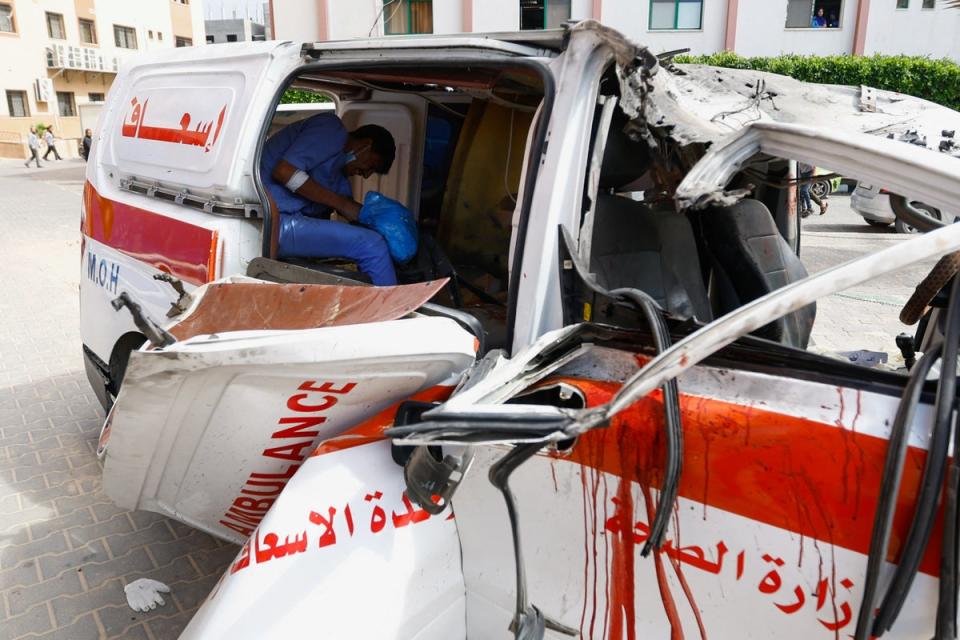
(66, 551)
(866, 316)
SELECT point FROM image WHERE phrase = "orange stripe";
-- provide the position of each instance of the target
(371, 429)
(820, 481)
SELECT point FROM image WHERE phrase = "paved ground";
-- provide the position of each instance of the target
(865, 317)
(66, 551)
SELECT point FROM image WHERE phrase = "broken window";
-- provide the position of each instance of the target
(543, 14)
(676, 14)
(815, 14)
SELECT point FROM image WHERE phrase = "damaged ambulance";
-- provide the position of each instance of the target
(588, 410)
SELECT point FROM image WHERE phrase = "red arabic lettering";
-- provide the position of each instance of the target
(329, 536)
(349, 516)
(796, 606)
(243, 561)
(846, 613)
(411, 516)
(772, 581)
(200, 136)
(378, 519)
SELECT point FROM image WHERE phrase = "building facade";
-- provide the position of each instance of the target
(59, 57)
(233, 30)
(748, 27)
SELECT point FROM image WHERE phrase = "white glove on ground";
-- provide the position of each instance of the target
(144, 594)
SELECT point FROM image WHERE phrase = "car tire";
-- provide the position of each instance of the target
(903, 227)
(821, 188)
(877, 223)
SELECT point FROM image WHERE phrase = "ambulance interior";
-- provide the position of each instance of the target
(461, 136)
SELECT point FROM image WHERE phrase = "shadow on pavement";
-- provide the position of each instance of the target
(855, 228)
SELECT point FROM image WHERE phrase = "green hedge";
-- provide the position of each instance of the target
(934, 80)
(298, 96)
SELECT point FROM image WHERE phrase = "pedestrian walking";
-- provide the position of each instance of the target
(806, 196)
(33, 142)
(51, 145)
(86, 143)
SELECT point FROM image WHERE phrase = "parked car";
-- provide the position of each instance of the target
(873, 205)
(375, 451)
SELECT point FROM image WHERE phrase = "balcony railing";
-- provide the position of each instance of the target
(70, 57)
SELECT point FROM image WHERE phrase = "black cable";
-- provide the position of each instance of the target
(932, 480)
(890, 488)
(672, 421)
(947, 602)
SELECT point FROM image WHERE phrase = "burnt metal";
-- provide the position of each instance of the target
(183, 301)
(156, 334)
(432, 478)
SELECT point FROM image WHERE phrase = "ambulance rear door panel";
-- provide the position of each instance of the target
(186, 121)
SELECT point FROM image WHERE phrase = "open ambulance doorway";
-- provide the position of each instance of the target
(462, 134)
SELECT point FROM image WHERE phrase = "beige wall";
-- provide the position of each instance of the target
(23, 55)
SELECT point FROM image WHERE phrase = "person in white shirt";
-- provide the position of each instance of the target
(33, 142)
(51, 145)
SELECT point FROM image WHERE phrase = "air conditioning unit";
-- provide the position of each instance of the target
(44, 89)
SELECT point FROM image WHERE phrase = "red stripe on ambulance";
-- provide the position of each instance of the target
(181, 249)
(307, 405)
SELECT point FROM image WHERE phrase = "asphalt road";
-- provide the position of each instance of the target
(66, 551)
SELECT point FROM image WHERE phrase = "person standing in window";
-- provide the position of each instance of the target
(833, 22)
(33, 142)
(819, 20)
(51, 145)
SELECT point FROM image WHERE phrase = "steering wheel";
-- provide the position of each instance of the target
(939, 276)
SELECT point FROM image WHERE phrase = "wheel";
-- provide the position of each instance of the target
(877, 223)
(821, 188)
(939, 276)
(903, 227)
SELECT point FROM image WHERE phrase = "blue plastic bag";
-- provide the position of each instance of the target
(394, 222)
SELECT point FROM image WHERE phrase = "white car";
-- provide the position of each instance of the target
(873, 204)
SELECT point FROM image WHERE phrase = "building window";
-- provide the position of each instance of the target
(929, 4)
(210, 40)
(150, 34)
(182, 1)
(231, 37)
(55, 26)
(184, 42)
(543, 14)
(816, 14)
(160, 35)
(676, 14)
(17, 104)
(6, 19)
(65, 104)
(124, 37)
(88, 31)
(407, 16)
(903, 4)
(96, 97)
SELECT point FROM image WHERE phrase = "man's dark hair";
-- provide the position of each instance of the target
(382, 144)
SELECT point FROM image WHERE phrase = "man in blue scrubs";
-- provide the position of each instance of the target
(305, 167)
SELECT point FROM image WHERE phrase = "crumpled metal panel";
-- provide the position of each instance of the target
(249, 306)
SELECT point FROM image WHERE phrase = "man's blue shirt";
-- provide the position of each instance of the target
(314, 145)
